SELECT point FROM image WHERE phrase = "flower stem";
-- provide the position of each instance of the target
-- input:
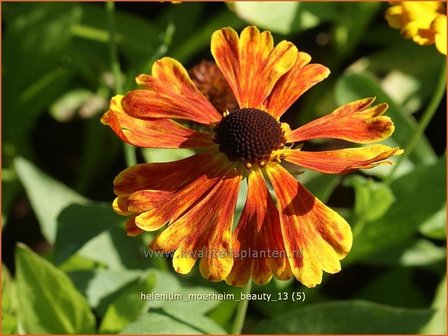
(241, 311)
(129, 150)
(113, 51)
(424, 121)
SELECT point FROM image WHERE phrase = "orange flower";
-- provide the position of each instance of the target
(196, 197)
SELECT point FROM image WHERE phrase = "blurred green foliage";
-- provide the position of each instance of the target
(88, 275)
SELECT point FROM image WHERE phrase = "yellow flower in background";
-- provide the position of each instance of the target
(422, 21)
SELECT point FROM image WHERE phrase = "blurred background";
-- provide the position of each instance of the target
(67, 264)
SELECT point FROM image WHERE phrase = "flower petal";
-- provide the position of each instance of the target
(352, 122)
(342, 160)
(192, 224)
(161, 192)
(250, 64)
(168, 176)
(151, 133)
(132, 230)
(169, 93)
(315, 236)
(394, 16)
(162, 206)
(144, 200)
(158, 214)
(204, 231)
(294, 83)
(217, 264)
(258, 246)
(120, 205)
(439, 26)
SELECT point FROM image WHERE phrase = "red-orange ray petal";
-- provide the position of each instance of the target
(171, 208)
(294, 83)
(120, 205)
(189, 229)
(161, 192)
(250, 63)
(168, 176)
(204, 231)
(144, 200)
(342, 160)
(132, 229)
(217, 264)
(169, 93)
(258, 245)
(315, 236)
(352, 122)
(151, 133)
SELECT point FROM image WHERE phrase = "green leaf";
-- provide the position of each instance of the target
(48, 301)
(95, 218)
(278, 17)
(409, 83)
(224, 313)
(435, 226)
(409, 252)
(95, 160)
(397, 281)
(353, 21)
(437, 325)
(159, 323)
(200, 39)
(372, 199)
(166, 155)
(48, 197)
(351, 87)
(34, 82)
(8, 291)
(127, 307)
(190, 302)
(171, 321)
(137, 38)
(10, 188)
(321, 185)
(104, 291)
(116, 250)
(9, 324)
(102, 286)
(284, 17)
(168, 283)
(348, 317)
(422, 252)
(273, 307)
(420, 193)
(9, 303)
(77, 263)
(202, 323)
(186, 19)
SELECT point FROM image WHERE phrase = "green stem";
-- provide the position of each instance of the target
(113, 51)
(129, 154)
(91, 33)
(241, 311)
(424, 121)
(129, 150)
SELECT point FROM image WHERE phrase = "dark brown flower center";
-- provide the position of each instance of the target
(249, 135)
